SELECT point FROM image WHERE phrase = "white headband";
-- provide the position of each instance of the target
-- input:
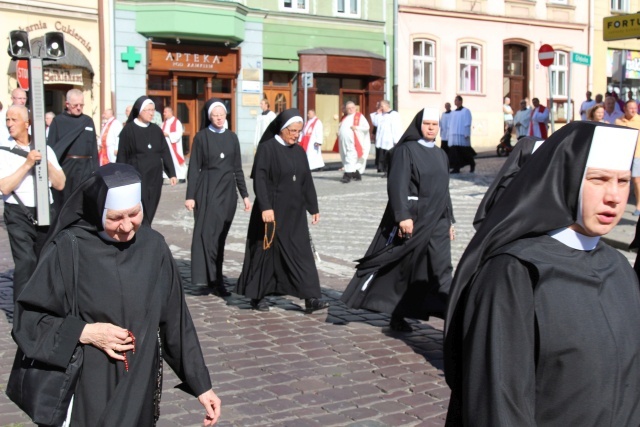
(294, 119)
(145, 103)
(123, 197)
(612, 148)
(430, 114)
(214, 105)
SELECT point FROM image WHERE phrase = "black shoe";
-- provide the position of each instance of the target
(384, 175)
(219, 290)
(473, 168)
(455, 171)
(398, 324)
(356, 176)
(314, 304)
(259, 304)
(346, 178)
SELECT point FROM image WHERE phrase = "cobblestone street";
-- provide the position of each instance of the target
(285, 368)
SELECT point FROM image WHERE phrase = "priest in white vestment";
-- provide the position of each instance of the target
(355, 143)
(172, 129)
(311, 140)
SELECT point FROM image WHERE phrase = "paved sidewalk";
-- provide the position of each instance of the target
(284, 368)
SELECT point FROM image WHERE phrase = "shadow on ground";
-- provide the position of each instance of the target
(425, 340)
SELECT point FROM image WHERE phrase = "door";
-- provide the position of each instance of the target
(515, 73)
(279, 99)
(328, 110)
(186, 113)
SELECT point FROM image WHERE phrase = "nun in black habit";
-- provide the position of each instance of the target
(128, 286)
(543, 317)
(215, 171)
(407, 269)
(143, 145)
(278, 259)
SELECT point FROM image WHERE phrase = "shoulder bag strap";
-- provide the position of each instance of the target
(26, 211)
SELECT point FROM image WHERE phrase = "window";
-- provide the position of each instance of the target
(470, 68)
(349, 8)
(294, 5)
(620, 6)
(558, 73)
(424, 60)
(559, 1)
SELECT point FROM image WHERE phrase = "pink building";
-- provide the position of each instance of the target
(485, 50)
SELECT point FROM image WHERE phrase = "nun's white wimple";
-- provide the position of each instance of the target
(214, 105)
(294, 119)
(144, 104)
(430, 114)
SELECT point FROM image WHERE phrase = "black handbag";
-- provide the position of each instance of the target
(43, 391)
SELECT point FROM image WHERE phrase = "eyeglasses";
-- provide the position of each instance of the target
(217, 116)
(76, 105)
(149, 110)
(293, 132)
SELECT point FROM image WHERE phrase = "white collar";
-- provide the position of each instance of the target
(428, 144)
(139, 123)
(215, 130)
(280, 140)
(573, 239)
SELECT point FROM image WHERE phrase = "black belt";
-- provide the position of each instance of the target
(77, 157)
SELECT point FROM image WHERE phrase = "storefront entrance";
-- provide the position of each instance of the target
(185, 77)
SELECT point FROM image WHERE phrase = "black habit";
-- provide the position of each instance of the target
(134, 285)
(565, 356)
(215, 170)
(281, 181)
(409, 277)
(517, 157)
(73, 139)
(538, 333)
(147, 150)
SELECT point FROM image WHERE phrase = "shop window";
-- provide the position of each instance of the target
(159, 82)
(558, 72)
(355, 84)
(294, 5)
(328, 86)
(348, 8)
(470, 68)
(219, 86)
(620, 6)
(273, 78)
(424, 63)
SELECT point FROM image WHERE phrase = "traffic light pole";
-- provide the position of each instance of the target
(38, 139)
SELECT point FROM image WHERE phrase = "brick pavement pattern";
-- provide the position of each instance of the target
(283, 368)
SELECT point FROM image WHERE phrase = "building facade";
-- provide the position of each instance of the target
(183, 53)
(87, 47)
(616, 64)
(485, 50)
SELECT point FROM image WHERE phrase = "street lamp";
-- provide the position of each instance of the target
(54, 48)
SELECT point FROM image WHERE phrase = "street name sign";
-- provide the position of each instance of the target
(580, 58)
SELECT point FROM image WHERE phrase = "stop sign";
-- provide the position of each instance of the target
(22, 73)
(545, 55)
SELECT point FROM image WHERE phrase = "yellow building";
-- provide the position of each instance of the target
(86, 51)
(615, 64)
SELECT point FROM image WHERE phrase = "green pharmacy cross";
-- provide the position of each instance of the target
(130, 57)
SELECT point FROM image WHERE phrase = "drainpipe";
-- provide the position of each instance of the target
(395, 54)
(590, 44)
(102, 60)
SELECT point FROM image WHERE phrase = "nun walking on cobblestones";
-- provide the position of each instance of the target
(278, 258)
(407, 269)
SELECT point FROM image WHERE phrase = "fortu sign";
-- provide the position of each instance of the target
(621, 27)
